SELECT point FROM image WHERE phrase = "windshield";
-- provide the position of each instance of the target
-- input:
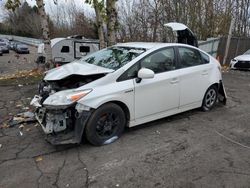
(114, 57)
(247, 52)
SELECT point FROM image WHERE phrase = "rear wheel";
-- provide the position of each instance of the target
(105, 125)
(210, 98)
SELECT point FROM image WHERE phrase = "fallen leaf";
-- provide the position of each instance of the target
(5, 126)
(28, 129)
(1, 145)
(38, 159)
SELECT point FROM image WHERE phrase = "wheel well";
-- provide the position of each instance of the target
(216, 85)
(123, 107)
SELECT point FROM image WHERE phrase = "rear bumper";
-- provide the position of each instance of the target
(23, 51)
(5, 50)
(222, 95)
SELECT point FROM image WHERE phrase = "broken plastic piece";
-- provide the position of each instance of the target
(36, 101)
(111, 140)
(26, 117)
(27, 114)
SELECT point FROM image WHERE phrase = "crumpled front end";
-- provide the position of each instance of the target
(62, 126)
(61, 117)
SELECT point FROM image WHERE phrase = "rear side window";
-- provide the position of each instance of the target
(189, 57)
(65, 49)
(205, 58)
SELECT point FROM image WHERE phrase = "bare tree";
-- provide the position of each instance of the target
(99, 11)
(45, 30)
(111, 21)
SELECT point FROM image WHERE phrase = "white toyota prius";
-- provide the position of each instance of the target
(128, 84)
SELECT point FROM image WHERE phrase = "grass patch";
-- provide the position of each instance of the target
(22, 78)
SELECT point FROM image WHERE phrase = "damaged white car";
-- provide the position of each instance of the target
(128, 84)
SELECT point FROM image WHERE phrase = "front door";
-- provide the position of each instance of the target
(161, 93)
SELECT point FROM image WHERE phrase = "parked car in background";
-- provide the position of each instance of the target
(15, 45)
(128, 84)
(1, 52)
(12, 45)
(4, 46)
(241, 61)
(22, 49)
(6, 41)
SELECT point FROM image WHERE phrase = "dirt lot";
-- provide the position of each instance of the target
(193, 149)
(13, 62)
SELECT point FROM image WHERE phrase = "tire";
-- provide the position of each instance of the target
(105, 125)
(210, 98)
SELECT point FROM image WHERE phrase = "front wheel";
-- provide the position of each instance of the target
(210, 98)
(105, 125)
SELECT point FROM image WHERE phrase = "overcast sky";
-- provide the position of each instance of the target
(50, 7)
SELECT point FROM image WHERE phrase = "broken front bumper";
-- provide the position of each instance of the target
(62, 125)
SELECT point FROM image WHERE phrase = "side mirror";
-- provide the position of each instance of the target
(145, 73)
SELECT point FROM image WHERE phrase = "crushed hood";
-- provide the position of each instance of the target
(243, 58)
(75, 68)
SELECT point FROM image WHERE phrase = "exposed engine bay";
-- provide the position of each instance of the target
(47, 88)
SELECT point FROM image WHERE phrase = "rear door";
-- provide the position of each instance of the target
(195, 71)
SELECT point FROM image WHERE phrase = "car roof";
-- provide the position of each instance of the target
(150, 45)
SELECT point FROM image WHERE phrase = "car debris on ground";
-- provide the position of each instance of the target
(25, 117)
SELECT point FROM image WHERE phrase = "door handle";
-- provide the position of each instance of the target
(174, 81)
(204, 72)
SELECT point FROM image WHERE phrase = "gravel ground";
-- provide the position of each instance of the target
(13, 62)
(192, 149)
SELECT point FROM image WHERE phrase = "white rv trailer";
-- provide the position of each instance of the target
(65, 50)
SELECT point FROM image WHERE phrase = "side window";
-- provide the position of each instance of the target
(161, 61)
(205, 58)
(84, 49)
(189, 57)
(65, 49)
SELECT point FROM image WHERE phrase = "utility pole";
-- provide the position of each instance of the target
(228, 40)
